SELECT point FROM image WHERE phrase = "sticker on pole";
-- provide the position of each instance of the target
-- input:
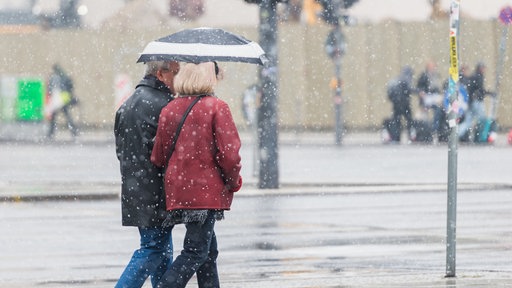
(506, 15)
(454, 65)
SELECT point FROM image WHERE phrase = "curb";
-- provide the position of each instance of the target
(102, 191)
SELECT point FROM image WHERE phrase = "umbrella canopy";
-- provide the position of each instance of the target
(204, 45)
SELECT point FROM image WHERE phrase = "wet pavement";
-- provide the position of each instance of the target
(360, 215)
(383, 239)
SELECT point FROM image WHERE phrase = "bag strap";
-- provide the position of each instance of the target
(180, 125)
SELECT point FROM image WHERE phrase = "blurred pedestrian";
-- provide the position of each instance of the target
(203, 171)
(399, 93)
(476, 106)
(142, 194)
(429, 92)
(61, 99)
(464, 77)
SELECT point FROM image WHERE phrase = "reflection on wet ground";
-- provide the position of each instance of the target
(370, 240)
(336, 240)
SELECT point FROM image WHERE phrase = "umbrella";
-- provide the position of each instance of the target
(204, 45)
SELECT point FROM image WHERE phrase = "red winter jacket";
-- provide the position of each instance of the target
(204, 170)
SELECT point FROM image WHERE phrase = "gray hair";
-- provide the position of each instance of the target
(153, 66)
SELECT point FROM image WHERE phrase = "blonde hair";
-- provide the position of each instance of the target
(195, 79)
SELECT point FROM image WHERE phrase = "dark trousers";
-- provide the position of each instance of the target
(69, 121)
(199, 255)
(398, 113)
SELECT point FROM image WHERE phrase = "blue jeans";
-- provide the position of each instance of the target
(438, 116)
(199, 255)
(152, 259)
(476, 111)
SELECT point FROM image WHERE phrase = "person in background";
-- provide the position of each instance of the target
(142, 194)
(399, 92)
(476, 106)
(464, 77)
(202, 173)
(62, 97)
(429, 92)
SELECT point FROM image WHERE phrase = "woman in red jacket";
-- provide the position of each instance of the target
(202, 173)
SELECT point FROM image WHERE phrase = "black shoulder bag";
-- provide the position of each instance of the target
(180, 125)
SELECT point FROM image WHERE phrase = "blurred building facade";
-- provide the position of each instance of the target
(376, 51)
(94, 13)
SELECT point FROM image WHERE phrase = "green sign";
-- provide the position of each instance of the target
(30, 102)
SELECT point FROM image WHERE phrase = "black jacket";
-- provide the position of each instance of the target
(399, 92)
(142, 195)
(476, 89)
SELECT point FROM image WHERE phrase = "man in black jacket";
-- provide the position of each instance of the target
(142, 195)
(399, 92)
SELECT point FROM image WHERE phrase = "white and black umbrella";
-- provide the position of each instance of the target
(204, 45)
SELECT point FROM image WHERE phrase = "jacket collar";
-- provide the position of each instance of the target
(153, 82)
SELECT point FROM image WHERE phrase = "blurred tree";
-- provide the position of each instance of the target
(259, 1)
(292, 11)
(437, 11)
(349, 3)
(68, 16)
(186, 10)
(330, 13)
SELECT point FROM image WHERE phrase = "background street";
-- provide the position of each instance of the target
(360, 215)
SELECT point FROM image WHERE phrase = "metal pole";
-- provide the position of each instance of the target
(338, 100)
(267, 113)
(335, 46)
(255, 158)
(499, 70)
(452, 141)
